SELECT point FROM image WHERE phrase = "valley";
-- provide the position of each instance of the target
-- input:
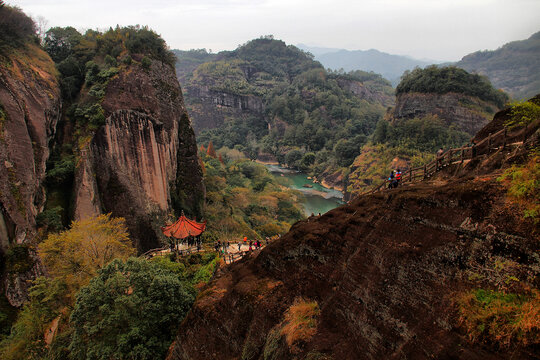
(186, 204)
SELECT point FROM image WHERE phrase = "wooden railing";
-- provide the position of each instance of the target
(228, 257)
(500, 139)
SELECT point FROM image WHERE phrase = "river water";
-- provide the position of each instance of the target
(317, 199)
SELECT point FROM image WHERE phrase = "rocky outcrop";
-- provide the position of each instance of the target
(465, 112)
(363, 92)
(212, 107)
(29, 110)
(143, 161)
(384, 270)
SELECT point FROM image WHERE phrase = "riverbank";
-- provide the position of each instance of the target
(317, 197)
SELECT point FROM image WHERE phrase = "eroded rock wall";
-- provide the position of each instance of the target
(466, 113)
(134, 159)
(30, 108)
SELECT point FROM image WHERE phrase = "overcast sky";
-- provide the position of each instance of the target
(434, 29)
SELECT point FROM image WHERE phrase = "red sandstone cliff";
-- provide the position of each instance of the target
(29, 111)
(384, 271)
(143, 161)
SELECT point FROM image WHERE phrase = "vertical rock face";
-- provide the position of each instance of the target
(143, 161)
(467, 113)
(29, 110)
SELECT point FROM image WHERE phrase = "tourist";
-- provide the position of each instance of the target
(239, 246)
(250, 244)
(398, 177)
(440, 153)
(473, 149)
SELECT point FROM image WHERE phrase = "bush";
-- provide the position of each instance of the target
(130, 310)
(500, 318)
(523, 182)
(51, 219)
(18, 259)
(300, 323)
(523, 113)
(146, 63)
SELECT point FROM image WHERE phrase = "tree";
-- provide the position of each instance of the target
(293, 157)
(76, 254)
(15, 27)
(211, 151)
(130, 310)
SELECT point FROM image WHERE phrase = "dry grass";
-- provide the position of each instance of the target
(300, 322)
(501, 319)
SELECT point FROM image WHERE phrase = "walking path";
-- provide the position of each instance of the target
(230, 255)
(500, 140)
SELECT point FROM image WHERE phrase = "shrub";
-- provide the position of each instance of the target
(523, 113)
(523, 182)
(501, 318)
(300, 323)
(18, 259)
(146, 62)
(51, 218)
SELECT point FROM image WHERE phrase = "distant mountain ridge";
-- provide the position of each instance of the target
(514, 67)
(389, 66)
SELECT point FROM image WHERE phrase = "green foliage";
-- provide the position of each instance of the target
(129, 311)
(146, 62)
(523, 113)
(255, 205)
(302, 102)
(514, 66)
(523, 182)
(51, 219)
(16, 28)
(18, 259)
(425, 134)
(61, 171)
(442, 80)
(501, 318)
(26, 340)
(8, 315)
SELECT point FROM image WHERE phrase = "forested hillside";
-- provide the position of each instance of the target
(390, 66)
(436, 107)
(271, 100)
(514, 67)
(96, 151)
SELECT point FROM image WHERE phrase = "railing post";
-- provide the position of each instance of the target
(504, 137)
(462, 155)
(410, 175)
(489, 144)
(425, 171)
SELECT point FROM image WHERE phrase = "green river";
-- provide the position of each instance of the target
(317, 199)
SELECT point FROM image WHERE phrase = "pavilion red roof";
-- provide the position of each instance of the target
(184, 227)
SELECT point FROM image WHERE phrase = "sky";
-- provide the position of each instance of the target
(444, 30)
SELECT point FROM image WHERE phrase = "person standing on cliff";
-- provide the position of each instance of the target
(440, 153)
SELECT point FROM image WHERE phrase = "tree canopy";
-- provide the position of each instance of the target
(16, 27)
(442, 80)
(78, 253)
(131, 310)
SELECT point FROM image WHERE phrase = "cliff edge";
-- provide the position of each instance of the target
(380, 277)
